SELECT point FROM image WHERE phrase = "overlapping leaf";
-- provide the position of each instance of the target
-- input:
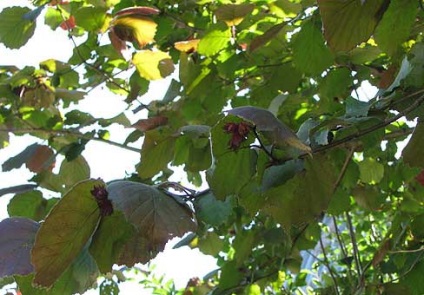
(153, 65)
(17, 236)
(156, 217)
(348, 23)
(233, 14)
(62, 236)
(276, 131)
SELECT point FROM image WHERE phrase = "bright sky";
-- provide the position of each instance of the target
(179, 264)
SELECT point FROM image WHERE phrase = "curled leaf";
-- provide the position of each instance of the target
(273, 129)
(141, 30)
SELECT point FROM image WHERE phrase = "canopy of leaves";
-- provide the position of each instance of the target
(311, 186)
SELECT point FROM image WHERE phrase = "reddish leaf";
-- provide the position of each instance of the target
(135, 11)
(68, 24)
(156, 217)
(117, 43)
(420, 178)
(150, 123)
(233, 14)
(17, 236)
(41, 159)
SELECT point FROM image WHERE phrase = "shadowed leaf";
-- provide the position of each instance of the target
(141, 30)
(272, 128)
(17, 236)
(348, 23)
(156, 217)
(233, 14)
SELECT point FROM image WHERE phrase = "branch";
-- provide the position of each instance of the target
(17, 189)
(368, 130)
(327, 264)
(354, 246)
(75, 133)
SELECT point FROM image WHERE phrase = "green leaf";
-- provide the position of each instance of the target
(413, 153)
(109, 287)
(215, 40)
(348, 23)
(74, 171)
(53, 18)
(78, 278)
(15, 27)
(65, 232)
(29, 204)
(156, 153)
(231, 172)
(233, 14)
(310, 55)
(356, 108)
(91, 18)
(370, 171)
(304, 197)
(156, 217)
(212, 211)
(107, 242)
(153, 65)
(210, 244)
(395, 26)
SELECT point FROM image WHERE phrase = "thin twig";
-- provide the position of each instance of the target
(262, 146)
(354, 246)
(327, 264)
(77, 134)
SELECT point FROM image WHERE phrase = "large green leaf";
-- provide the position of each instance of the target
(91, 18)
(310, 54)
(65, 232)
(395, 25)
(304, 197)
(347, 23)
(156, 217)
(16, 26)
(216, 39)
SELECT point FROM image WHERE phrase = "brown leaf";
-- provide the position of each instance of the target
(141, 30)
(156, 217)
(150, 123)
(233, 14)
(41, 160)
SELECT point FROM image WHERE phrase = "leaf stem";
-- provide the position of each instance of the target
(327, 264)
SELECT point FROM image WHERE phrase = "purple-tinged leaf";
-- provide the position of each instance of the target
(17, 236)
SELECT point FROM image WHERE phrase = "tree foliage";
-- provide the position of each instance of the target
(308, 188)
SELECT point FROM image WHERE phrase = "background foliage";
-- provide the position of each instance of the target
(308, 189)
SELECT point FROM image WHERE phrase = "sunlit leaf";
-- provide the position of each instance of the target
(348, 23)
(31, 205)
(187, 46)
(137, 11)
(215, 39)
(16, 239)
(370, 171)
(153, 65)
(15, 27)
(141, 30)
(90, 18)
(156, 217)
(233, 14)
(65, 232)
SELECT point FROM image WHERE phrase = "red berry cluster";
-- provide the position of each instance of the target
(105, 205)
(239, 133)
